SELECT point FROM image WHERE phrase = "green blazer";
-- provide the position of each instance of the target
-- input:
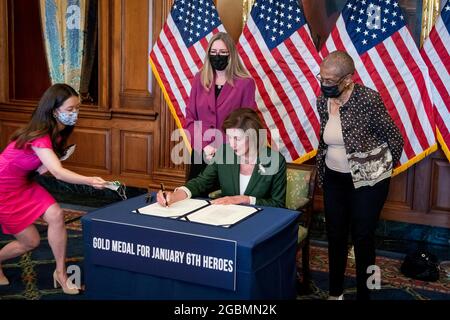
(269, 189)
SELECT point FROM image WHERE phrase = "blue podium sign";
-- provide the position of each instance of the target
(175, 255)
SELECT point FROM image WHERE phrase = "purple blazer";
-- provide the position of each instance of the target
(202, 106)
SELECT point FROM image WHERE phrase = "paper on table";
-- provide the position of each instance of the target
(221, 215)
(175, 210)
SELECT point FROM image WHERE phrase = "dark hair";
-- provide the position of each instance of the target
(43, 122)
(243, 118)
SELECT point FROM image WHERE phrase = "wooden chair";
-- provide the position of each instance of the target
(301, 182)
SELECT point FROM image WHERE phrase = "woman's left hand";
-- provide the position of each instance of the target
(232, 200)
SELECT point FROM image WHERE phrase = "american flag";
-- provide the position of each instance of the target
(435, 52)
(277, 49)
(387, 60)
(180, 49)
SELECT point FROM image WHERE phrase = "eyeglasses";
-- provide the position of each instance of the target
(219, 52)
(330, 82)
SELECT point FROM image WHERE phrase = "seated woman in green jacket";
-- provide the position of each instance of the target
(247, 170)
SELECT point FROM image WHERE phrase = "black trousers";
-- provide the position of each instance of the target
(355, 210)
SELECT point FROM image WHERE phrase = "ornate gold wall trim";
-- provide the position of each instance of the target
(430, 12)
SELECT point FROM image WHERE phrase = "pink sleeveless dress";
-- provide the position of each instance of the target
(21, 201)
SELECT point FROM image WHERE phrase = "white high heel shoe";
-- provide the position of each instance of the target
(69, 288)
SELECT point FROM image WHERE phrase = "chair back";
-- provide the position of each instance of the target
(300, 185)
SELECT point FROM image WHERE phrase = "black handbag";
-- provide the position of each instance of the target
(421, 265)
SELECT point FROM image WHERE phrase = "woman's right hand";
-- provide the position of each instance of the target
(97, 182)
(164, 202)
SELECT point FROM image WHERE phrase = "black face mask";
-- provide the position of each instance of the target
(331, 91)
(218, 62)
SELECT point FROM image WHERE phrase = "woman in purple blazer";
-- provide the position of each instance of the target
(222, 86)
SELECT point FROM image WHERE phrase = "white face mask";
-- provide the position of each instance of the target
(67, 118)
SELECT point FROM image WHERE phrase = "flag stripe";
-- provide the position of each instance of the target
(388, 99)
(307, 45)
(277, 49)
(178, 45)
(292, 98)
(339, 37)
(267, 108)
(395, 78)
(178, 53)
(265, 67)
(387, 60)
(439, 79)
(173, 53)
(173, 68)
(161, 65)
(435, 53)
(414, 62)
(285, 100)
(305, 60)
(441, 48)
(366, 68)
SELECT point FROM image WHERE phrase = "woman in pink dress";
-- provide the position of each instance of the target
(37, 146)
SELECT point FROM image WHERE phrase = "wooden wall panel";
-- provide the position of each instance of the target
(7, 128)
(130, 25)
(440, 201)
(135, 50)
(398, 194)
(27, 51)
(93, 149)
(4, 56)
(135, 153)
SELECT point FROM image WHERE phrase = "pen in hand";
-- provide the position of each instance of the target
(164, 194)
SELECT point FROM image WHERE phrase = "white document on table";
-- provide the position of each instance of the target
(175, 210)
(221, 215)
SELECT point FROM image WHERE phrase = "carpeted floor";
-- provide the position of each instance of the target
(394, 285)
(31, 275)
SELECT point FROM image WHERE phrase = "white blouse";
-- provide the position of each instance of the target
(243, 183)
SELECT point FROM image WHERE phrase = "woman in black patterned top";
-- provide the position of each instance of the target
(359, 146)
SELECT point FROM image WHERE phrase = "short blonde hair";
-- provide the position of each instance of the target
(234, 69)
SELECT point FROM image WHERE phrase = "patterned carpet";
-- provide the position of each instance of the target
(31, 274)
(394, 285)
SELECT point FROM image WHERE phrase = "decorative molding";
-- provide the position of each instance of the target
(136, 114)
(98, 139)
(132, 144)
